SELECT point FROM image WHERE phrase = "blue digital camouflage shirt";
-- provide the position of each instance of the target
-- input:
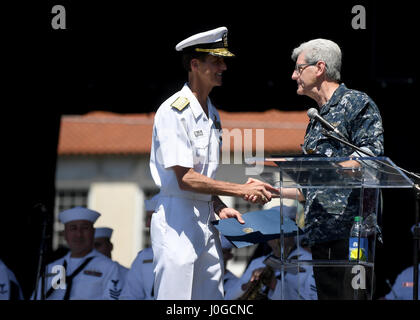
(329, 213)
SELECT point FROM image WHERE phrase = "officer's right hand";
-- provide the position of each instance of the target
(256, 191)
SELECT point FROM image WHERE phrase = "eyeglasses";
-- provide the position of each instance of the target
(300, 67)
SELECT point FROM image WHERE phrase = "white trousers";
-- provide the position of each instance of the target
(188, 260)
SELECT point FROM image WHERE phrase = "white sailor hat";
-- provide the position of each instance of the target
(213, 42)
(150, 204)
(78, 213)
(103, 232)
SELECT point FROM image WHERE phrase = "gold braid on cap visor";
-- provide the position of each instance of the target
(218, 51)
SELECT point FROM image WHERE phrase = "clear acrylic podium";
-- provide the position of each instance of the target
(306, 172)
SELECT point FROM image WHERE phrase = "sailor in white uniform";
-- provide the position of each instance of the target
(403, 286)
(140, 278)
(9, 286)
(84, 273)
(238, 288)
(404, 283)
(229, 279)
(139, 283)
(102, 243)
(186, 145)
(299, 283)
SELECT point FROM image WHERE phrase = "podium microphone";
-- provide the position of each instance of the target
(313, 114)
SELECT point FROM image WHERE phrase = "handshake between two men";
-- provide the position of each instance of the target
(253, 190)
(257, 191)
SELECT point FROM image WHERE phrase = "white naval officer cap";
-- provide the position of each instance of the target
(103, 232)
(78, 213)
(213, 42)
(150, 204)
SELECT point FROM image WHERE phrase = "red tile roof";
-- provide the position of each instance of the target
(101, 132)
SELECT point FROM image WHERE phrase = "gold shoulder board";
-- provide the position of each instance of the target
(180, 103)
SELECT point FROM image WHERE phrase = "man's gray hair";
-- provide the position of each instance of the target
(322, 50)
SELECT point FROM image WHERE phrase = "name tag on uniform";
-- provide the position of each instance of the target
(148, 261)
(408, 284)
(93, 273)
(198, 133)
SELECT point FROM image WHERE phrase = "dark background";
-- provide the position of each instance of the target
(119, 56)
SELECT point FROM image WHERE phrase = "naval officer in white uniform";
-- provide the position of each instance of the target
(102, 243)
(186, 143)
(83, 273)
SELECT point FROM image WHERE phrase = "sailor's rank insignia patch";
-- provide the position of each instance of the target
(180, 103)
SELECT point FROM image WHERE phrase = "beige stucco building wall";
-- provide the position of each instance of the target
(121, 208)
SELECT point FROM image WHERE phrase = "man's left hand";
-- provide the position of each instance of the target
(231, 213)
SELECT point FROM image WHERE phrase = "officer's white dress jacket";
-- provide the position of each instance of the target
(140, 278)
(188, 260)
(100, 279)
(186, 138)
(9, 286)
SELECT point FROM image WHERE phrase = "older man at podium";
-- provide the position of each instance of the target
(329, 213)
